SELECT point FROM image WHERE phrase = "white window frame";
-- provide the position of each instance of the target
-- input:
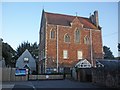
(65, 54)
(26, 59)
(79, 54)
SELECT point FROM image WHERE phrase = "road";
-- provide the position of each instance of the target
(34, 85)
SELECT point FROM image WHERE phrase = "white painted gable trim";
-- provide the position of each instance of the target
(83, 64)
(99, 64)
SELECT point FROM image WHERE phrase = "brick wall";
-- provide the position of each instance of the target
(72, 47)
(49, 46)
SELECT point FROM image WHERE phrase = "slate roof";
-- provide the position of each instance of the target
(20, 61)
(65, 20)
(110, 65)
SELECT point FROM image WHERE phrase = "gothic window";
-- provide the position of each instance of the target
(66, 38)
(86, 40)
(52, 34)
(77, 36)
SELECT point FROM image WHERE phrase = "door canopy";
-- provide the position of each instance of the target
(83, 64)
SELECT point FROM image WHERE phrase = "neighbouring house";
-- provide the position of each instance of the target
(107, 73)
(82, 71)
(65, 39)
(26, 61)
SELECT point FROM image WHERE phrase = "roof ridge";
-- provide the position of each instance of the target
(66, 15)
(65, 19)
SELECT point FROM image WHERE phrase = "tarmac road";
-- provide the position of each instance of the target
(47, 84)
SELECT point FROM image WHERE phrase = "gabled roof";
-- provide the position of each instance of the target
(65, 20)
(83, 64)
(21, 63)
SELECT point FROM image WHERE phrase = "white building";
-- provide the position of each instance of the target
(26, 61)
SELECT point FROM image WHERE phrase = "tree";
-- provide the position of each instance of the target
(8, 54)
(107, 53)
(32, 48)
(118, 51)
(119, 47)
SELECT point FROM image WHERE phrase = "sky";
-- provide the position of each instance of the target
(21, 20)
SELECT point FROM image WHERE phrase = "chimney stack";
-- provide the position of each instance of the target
(94, 18)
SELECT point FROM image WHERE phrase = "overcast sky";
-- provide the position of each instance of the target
(21, 21)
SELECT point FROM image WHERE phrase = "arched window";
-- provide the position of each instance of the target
(86, 40)
(52, 34)
(66, 38)
(77, 36)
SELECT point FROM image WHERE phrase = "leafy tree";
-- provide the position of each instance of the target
(107, 53)
(8, 54)
(32, 48)
(118, 51)
(118, 46)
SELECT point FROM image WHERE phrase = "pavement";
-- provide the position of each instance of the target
(16, 84)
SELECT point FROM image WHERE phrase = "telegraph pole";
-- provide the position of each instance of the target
(91, 48)
(57, 48)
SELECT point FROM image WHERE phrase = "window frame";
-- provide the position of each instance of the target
(76, 36)
(78, 56)
(66, 38)
(86, 40)
(65, 54)
(52, 32)
(26, 59)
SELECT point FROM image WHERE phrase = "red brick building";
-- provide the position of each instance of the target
(65, 39)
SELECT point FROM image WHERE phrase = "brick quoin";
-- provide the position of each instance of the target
(48, 46)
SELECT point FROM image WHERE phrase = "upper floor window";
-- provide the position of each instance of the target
(52, 34)
(66, 38)
(86, 40)
(26, 59)
(77, 36)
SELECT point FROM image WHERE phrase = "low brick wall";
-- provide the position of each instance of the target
(45, 77)
(8, 74)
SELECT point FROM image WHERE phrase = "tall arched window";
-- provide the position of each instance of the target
(77, 36)
(52, 34)
(66, 38)
(86, 40)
